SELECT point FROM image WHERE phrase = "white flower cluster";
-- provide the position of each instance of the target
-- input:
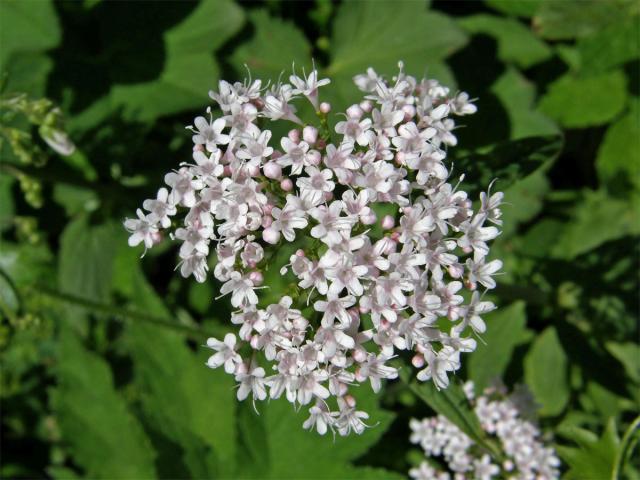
(371, 294)
(501, 416)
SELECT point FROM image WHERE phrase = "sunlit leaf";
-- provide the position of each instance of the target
(545, 371)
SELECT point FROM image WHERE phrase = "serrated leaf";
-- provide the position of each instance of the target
(506, 329)
(189, 70)
(595, 458)
(585, 230)
(619, 154)
(516, 43)
(275, 45)
(577, 102)
(103, 436)
(579, 18)
(316, 456)
(506, 161)
(382, 33)
(27, 27)
(545, 372)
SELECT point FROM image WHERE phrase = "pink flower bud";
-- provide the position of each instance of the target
(400, 158)
(354, 111)
(409, 112)
(395, 236)
(255, 342)
(286, 184)
(388, 222)
(314, 157)
(300, 252)
(276, 154)
(328, 196)
(418, 361)
(198, 148)
(227, 171)
(359, 355)
(369, 219)
(325, 107)
(271, 235)
(366, 106)
(349, 400)
(272, 170)
(310, 134)
(320, 144)
(266, 221)
(256, 278)
(294, 135)
(267, 209)
(253, 170)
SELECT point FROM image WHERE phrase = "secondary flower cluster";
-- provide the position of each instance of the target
(369, 284)
(501, 416)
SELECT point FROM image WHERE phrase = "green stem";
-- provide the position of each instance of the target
(625, 448)
(94, 306)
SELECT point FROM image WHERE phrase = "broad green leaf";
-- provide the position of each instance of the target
(507, 161)
(525, 200)
(545, 371)
(190, 69)
(279, 428)
(27, 27)
(520, 8)
(569, 19)
(506, 329)
(517, 96)
(382, 33)
(584, 102)
(379, 34)
(75, 200)
(28, 72)
(610, 47)
(275, 45)
(183, 399)
(452, 403)
(86, 258)
(26, 264)
(628, 354)
(516, 43)
(597, 218)
(103, 436)
(595, 458)
(618, 160)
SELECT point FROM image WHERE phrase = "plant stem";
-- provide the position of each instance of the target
(625, 448)
(92, 305)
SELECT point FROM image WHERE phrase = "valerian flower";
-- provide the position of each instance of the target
(364, 286)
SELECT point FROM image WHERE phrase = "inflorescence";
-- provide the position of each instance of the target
(360, 296)
(503, 417)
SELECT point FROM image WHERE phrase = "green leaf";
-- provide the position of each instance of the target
(584, 102)
(280, 427)
(595, 458)
(619, 154)
(579, 18)
(186, 401)
(379, 34)
(506, 329)
(28, 72)
(516, 43)
(610, 48)
(507, 161)
(517, 96)
(585, 230)
(520, 8)
(545, 371)
(27, 27)
(526, 200)
(86, 258)
(7, 205)
(274, 46)
(103, 436)
(190, 69)
(452, 403)
(628, 354)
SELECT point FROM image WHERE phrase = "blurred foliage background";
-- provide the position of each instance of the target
(103, 370)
